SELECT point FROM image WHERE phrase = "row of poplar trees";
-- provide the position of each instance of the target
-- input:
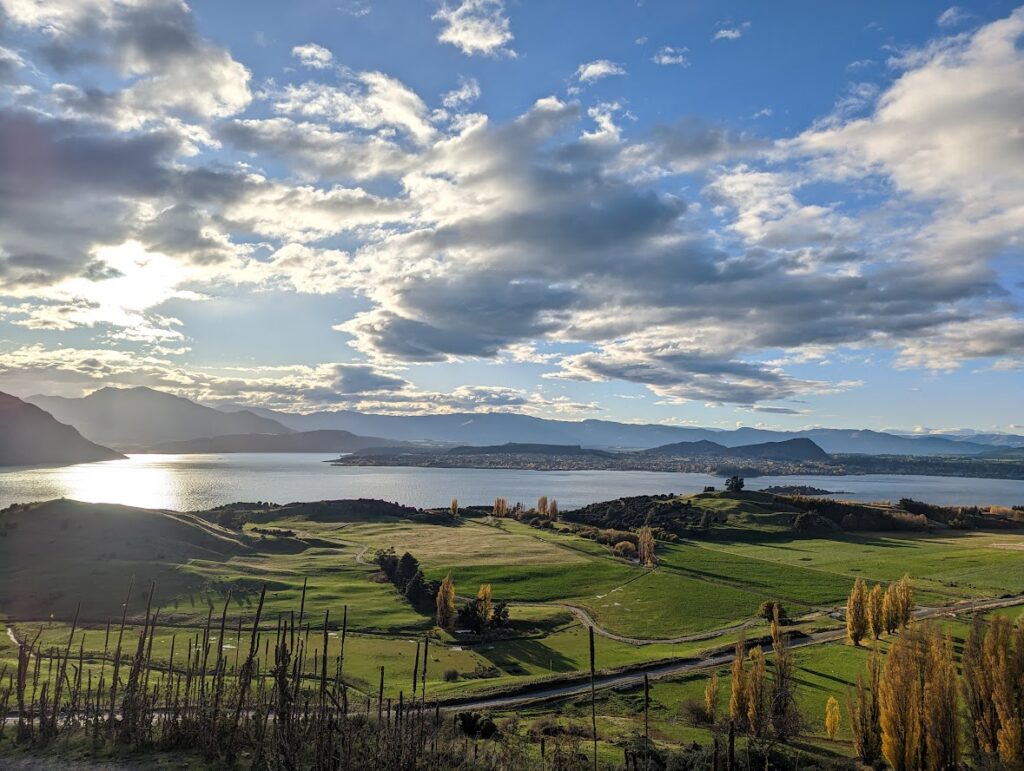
(914, 713)
(761, 706)
(878, 611)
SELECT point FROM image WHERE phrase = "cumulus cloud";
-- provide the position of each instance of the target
(167, 68)
(476, 27)
(314, 56)
(370, 100)
(728, 33)
(468, 91)
(667, 55)
(697, 261)
(598, 69)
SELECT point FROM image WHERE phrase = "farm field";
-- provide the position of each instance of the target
(705, 592)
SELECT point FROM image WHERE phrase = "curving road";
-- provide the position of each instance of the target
(635, 675)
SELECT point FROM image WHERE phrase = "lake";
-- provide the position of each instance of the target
(189, 482)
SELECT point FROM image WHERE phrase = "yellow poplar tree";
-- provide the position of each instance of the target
(941, 705)
(542, 505)
(738, 694)
(711, 697)
(832, 717)
(485, 603)
(856, 613)
(900, 697)
(446, 603)
(553, 510)
(758, 708)
(876, 612)
(890, 609)
(453, 509)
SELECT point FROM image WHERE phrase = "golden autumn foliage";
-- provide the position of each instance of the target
(919, 702)
(993, 667)
(485, 603)
(876, 612)
(738, 694)
(711, 697)
(832, 717)
(864, 710)
(758, 696)
(856, 613)
(446, 603)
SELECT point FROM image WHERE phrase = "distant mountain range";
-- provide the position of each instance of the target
(142, 418)
(31, 437)
(304, 441)
(498, 428)
(789, 449)
(137, 418)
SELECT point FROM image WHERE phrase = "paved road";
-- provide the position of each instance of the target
(635, 676)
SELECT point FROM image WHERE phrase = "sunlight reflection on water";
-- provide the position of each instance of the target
(187, 482)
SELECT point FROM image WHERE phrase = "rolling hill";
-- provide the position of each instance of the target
(789, 449)
(135, 418)
(304, 441)
(56, 554)
(29, 436)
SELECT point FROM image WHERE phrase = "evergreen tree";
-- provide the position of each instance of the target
(856, 613)
(446, 603)
(408, 565)
(416, 591)
(500, 615)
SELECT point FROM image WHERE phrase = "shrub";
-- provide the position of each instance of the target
(625, 549)
(451, 675)
(767, 610)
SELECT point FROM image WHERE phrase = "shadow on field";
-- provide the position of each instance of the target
(515, 653)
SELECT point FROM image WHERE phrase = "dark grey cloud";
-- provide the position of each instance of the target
(361, 378)
(67, 186)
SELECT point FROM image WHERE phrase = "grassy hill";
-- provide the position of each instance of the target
(57, 554)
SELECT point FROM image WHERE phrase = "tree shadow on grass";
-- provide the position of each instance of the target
(513, 655)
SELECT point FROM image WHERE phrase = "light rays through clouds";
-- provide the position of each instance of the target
(569, 242)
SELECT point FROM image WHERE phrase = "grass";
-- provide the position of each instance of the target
(700, 586)
(765, 578)
(665, 603)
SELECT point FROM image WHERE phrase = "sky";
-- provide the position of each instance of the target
(698, 213)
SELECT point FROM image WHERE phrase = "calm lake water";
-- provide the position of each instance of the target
(188, 482)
